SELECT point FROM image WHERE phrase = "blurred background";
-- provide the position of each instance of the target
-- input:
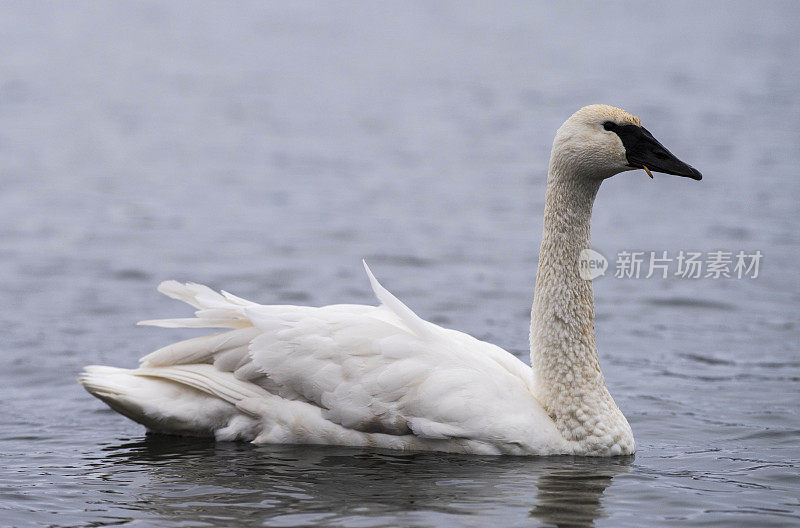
(266, 148)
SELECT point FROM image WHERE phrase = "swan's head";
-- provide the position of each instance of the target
(599, 141)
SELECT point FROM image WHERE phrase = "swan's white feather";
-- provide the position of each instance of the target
(200, 349)
(400, 310)
(345, 374)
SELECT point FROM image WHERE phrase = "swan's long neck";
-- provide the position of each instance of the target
(568, 380)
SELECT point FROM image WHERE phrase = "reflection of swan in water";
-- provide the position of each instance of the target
(570, 495)
(200, 481)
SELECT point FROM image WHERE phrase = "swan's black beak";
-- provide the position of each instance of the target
(645, 152)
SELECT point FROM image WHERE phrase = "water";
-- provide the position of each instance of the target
(267, 149)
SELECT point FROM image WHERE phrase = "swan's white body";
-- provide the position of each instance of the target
(343, 374)
(383, 377)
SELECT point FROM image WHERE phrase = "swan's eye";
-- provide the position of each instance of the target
(609, 125)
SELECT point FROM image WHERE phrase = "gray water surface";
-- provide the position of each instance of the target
(267, 149)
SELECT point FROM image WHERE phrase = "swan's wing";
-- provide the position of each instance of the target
(372, 369)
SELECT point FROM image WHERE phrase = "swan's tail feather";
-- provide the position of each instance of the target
(197, 295)
(214, 310)
(232, 344)
(189, 400)
(207, 379)
(190, 322)
(104, 382)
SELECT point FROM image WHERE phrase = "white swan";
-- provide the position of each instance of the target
(383, 377)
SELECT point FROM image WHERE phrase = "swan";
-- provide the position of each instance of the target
(382, 377)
